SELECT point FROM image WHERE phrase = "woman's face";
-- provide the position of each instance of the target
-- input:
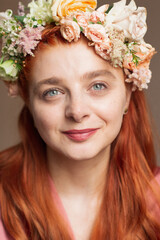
(72, 88)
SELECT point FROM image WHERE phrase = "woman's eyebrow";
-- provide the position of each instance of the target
(88, 75)
(93, 74)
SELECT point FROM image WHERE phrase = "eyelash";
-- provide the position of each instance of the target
(55, 89)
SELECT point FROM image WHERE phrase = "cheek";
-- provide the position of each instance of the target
(45, 118)
(110, 109)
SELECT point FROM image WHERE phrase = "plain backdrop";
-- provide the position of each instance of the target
(10, 108)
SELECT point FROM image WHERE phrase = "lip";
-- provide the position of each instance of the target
(76, 131)
(80, 135)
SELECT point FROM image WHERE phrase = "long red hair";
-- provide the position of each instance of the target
(28, 210)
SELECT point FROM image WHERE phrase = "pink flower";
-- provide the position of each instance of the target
(82, 19)
(70, 30)
(29, 38)
(104, 49)
(97, 17)
(95, 33)
(21, 9)
(140, 77)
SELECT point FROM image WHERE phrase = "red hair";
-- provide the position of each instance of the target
(25, 194)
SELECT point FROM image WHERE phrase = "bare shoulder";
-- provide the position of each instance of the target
(3, 234)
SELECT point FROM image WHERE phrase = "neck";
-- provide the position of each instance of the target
(82, 177)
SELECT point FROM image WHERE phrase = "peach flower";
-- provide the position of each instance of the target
(103, 49)
(82, 19)
(95, 33)
(97, 17)
(144, 52)
(70, 30)
(63, 8)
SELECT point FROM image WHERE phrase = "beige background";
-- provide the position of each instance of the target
(10, 108)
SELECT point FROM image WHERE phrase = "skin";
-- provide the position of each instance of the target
(77, 168)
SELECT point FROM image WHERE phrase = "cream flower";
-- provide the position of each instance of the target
(70, 30)
(41, 9)
(95, 33)
(63, 8)
(129, 19)
(5, 16)
(103, 8)
(120, 11)
(138, 27)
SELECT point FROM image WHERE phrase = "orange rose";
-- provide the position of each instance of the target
(63, 8)
(144, 53)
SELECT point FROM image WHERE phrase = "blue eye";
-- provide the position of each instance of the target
(51, 93)
(99, 86)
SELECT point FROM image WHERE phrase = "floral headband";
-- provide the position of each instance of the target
(115, 31)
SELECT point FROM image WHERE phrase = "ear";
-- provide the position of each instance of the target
(12, 87)
(128, 94)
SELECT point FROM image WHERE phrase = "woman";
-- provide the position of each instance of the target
(86, 167)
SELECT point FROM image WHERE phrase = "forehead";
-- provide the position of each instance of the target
(68, 60)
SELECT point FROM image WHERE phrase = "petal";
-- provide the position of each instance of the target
(103, 8)
(132, 6)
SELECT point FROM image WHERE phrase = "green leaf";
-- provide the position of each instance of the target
(1, 60)
(19, 67)
(99, 23)
(109, 9)
(19, 18)
(91, 22)
(135, 59)
(74, 19)
(9, 41)
(82, 30)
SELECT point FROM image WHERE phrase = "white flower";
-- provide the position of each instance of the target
(9, 68)
(129, 19)
(5, 16)
(120, 11)
(41, 9)
(138, 27)
(103, 8)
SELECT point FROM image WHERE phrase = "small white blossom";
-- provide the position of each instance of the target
(41, 9)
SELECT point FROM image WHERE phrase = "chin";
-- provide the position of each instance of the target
(83, 155)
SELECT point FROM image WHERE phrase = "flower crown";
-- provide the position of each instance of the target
(115, 31)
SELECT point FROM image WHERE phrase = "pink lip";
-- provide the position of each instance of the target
(80, 135)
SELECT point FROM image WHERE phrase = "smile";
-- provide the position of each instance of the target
(80, 135)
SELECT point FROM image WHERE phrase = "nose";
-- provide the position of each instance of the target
(77, 108)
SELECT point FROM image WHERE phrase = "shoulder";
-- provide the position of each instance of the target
(3, 234)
